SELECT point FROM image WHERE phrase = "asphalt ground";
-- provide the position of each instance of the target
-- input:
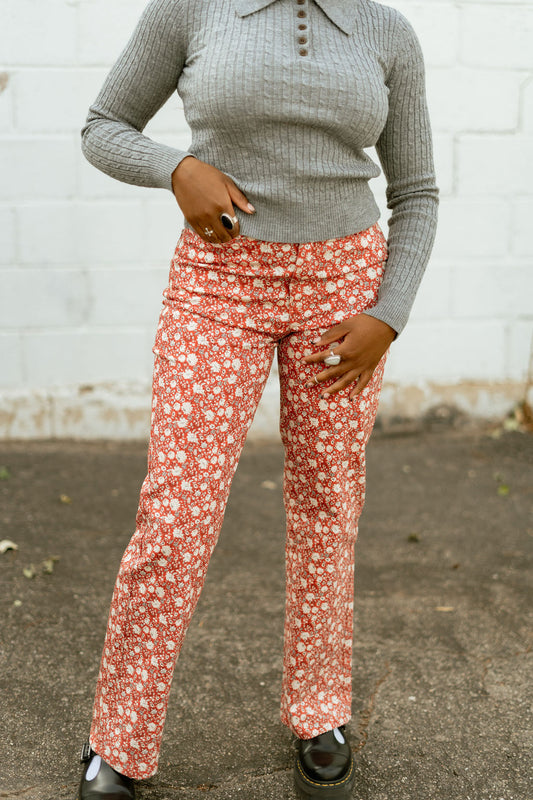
(442, 680)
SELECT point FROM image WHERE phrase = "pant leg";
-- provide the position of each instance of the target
(324, 486)
(208, 377)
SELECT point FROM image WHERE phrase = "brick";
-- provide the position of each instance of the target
(520, 349)
(47, 234)
(522, 227)
(497, 165)
(448, 352)
(12, 372)
(443, 149)
(496, 2)
(38, 33)
(164, 223)
(492, 290)
(527, 105)
(66, 358)
(109, 232)
(117, 411)
(53, 298)
(433, 297)
(7, 236)
(52, 100)
(93, 234)
(496, 36)
(465, 99)
(6, 101)
(472, 229)
(436, 25)
(126, 296)
(37, 168)
(25, 414)
(105, 28)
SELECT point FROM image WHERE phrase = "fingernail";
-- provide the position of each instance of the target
(317, 340)
(250, 208)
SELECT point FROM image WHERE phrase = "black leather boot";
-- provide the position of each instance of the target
(100, 781)
(324, 766)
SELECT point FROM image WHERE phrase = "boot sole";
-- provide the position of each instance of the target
(334, 790)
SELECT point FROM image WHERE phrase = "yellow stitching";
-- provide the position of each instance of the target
(337, 783)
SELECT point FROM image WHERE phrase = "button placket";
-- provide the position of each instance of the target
(302, 37)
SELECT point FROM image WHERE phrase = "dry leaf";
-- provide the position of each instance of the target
(64, 498)
(444, 608)
(48, 564)
(511, 424)
(29, 572)
(269, 485)
(7, 544)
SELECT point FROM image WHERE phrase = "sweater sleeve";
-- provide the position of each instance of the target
(141, 80)
(406, 155)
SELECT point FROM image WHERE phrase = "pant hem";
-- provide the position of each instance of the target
(119, 766)
(326, 727)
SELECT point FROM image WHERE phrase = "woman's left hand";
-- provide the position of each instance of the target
(364, 341)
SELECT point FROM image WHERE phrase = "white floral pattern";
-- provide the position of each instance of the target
(225, 311)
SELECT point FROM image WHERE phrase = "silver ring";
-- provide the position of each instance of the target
(228, 221)
(316, 379)
(209, 231)
(332, 360)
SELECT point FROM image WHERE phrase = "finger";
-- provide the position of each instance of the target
(328, 374)
(200, 230)
(221, 233)
(346, 380)
(240, 199)
(364, 380)
(332, 334)
(322, 354)
(235, 231)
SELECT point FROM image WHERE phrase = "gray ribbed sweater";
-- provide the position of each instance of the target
(283, 96)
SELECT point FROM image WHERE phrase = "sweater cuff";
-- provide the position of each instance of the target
(164, 164)
(394, 314)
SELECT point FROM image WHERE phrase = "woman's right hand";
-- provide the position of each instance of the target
(203, 192)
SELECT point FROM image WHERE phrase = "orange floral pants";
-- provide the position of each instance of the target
(225, 311)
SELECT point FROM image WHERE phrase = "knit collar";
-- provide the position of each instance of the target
(341, 12)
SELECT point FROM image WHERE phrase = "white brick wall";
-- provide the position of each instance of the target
(84, 258)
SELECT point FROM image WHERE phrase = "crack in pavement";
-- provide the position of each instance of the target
(29, 792)
(208, 787)
(366, 714)
(487, 662)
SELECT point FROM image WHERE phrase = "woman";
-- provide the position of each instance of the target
(280, 249)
